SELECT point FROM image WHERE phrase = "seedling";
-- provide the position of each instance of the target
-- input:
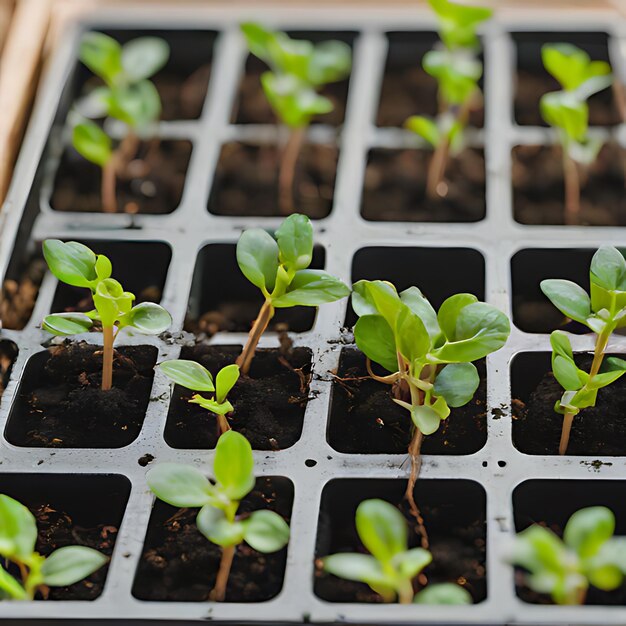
(568, 112)
(587, 555)
(298, 69)
(18, 535)
(127, 95)
(602, 313)
(391, 567)
(456, 65)
(194, 376)
(75, 264)
(278, 267)
(233, 469)
(428, 353)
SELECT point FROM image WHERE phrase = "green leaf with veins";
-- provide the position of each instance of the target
(457, 383)
(65, 324)
(312, 288)
(70, 262)
(376, 340)
(266, 531)
(571, 299)
(216, 527)
(233, 465)
(189, 374)
(148, 318)
(257, 256)
(295, 242)
(180, 485)
(225, 381)
(70, 564)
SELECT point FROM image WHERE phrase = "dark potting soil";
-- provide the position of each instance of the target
(179, 564)
(246, 180)
(532, 85)
(395, 187)
(57, 529)
(365, 420)
(152, 183)
(539, 196)
(19, 294)
(60, 403)
(269, 404)
(183, 99)
(251, 105)
(455, 526)
(408, 91)
(537, 427)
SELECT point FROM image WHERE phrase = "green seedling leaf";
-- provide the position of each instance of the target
(295, 242)
(573, 68)
(457, 74)
(608, 269)
(225, 381)
(411, 336)
(257, 256)
(70, 564)
(457, 383)
(450, 310)
(425, 418)
(443, 594)
(102, 55)
(233, 465)
(480, 330)
(588, 529)
(312, 288)
(258, 39)
(137, 104)
(18, 529)
(571, 299)
(330, 62)
(425, 128)
(112, 301)
(567, 374)
(214, 525)
(376, 340)
(180, 485)
(266, 531)
(612, 369)
(412, 562)
(566, 111)
(71, 262)
(382, 529)
(65, 324)
(92, 143)
(458, 22)
(418, 303)
(189, 374)
(10, 587)
(359, 567)
(220, 408)
(143, 57)
(148, 318)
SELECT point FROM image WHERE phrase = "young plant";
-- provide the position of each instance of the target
(298, 69)
(602, 313)
(587, 555)
(457, 67)
(194, 376)
(568, 112)
(278, 267)
(233, 469)
(75, 264)
(427, 353)
(391, 566)
(127, 95)
(18, 535)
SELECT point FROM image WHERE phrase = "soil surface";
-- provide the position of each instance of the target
(251, 105)
(269, 404)
(532, 85)
(57, 529)
(183, 100)
(20, 294)
(179, 564)
(365, 420)
(395, 187)
(457, 543)
(60, 403)
(246, 181)
(538, 188)
(597, 430)
(152, 183)
(408, 91)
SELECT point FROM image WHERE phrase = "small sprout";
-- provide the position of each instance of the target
(127, 95)
(457, 68)
(75, 264)
(194, 376)
(568, 112)
(233, 469)
(428, 353)
(278, 267)
(18, 535)
(602, 313)
(587, 555)
(298, 69)
(391, 566)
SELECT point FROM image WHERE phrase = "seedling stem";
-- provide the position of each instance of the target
(572, 189)
(286, 175)
(244, 360)
(107, 357)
